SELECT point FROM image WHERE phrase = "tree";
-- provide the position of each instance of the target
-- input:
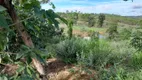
(70, 25)
(112, 30)
(22, 31)
(72, 16)
(101, 19)
(32, 10)
(91, 20)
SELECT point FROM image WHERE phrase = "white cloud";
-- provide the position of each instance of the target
(113, 7)
(137, 6)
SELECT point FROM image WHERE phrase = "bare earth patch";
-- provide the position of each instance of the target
(80, 33)
(58, 70)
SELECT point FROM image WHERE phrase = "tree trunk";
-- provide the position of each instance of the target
(23, 33)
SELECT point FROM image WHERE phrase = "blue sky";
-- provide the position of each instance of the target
(119, 7)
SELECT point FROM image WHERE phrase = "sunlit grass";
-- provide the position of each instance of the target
(88, 29)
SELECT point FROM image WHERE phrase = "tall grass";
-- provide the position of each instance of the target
(137, 60)
(126, 63)
(115, 60)
(95, 54)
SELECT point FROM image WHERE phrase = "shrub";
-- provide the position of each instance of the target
(125, 34)
(70, 25)
(136, 40)
(120, 73)
(68, 50)
(91, 21)
(113, 73)
(140, 23)
(50, 48)
(112, 30)
(95, 54)
(121, 52)
(137, 60)
(101, 19)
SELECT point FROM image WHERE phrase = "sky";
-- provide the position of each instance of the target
(119, 7)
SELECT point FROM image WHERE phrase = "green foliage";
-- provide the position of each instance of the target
(70, 25)
(120, 73)
(72, 16)
(3, 77)
(125, 34)
(113, 73)
(42, 25)
(91, 21)
(67, 50)
(140, 23)
(137, 60)
(25, 70)
(83, 18)
(136, 40)
(3, 23)
(101, 19)
(112, 30)
(3, 40)
(110, 59)
(122, 52)
(2, 8)
(121, 57)
(95, 54)
(6, 58)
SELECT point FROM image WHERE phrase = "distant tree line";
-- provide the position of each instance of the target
(98, 19)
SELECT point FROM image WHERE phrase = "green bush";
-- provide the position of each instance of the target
(101, 19)
(70, 25)
(67, 50)
(121, 51)
(112, 30)
(120, 73)
(95, 54)
(50, 48)
(136, 40)
(91, 21)
(113, 73)
(137, 60)
(125, 34)
(123, 57)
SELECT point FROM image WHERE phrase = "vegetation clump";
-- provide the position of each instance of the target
(29, 35)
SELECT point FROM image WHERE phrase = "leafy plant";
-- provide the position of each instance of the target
(67, 50)
(101, 19)
(70, 25)
(136, 40)
(136, 60)
(95, 54)
(125, 34)
(33, 28)
(91, 21)
(112, 30)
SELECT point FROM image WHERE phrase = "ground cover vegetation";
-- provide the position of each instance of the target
(41, 44)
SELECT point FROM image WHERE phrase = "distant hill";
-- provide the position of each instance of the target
(135, 16)
(131, 20)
